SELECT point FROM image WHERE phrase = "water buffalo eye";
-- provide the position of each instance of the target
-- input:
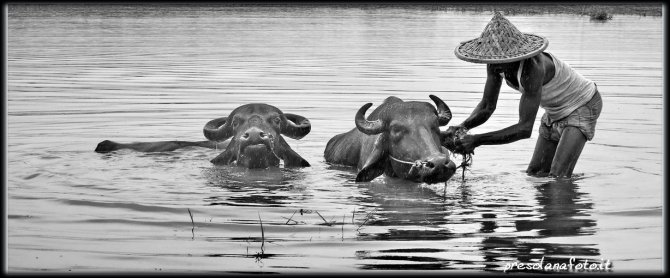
(396, 130)
(276, 121)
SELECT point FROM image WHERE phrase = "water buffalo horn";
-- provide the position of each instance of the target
(218, 129)
(443, 111)
(365, 126)
(295, 126)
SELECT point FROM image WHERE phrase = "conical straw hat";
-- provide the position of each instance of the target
(501, 42)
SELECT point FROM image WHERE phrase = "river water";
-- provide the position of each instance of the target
(78, 75)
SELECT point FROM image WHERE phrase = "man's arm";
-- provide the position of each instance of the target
(531, 80)
(487, 105)
(528, 107)
(529, 104)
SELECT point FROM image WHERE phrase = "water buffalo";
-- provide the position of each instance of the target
(250, 136)
(399, 139)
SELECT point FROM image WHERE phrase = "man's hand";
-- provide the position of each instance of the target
(465, 145)
(452, 136)
(455, 130)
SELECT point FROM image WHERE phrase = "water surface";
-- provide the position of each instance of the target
(80, 74)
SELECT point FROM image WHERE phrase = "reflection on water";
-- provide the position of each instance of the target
(398, 203)
(253, 187)
(416, 213)
(565, 211)
(80, 74)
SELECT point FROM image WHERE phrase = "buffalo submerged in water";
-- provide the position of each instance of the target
(251, 136)
(399, 139)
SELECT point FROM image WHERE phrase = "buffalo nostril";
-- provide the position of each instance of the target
(245, 135)
(262, 134)
(430, 164)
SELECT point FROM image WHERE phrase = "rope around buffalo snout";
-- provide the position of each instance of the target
(414, 164)
(406, 162)
(467, 161)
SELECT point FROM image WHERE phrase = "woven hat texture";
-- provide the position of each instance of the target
(501, 42)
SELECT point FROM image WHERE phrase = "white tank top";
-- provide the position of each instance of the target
(565, 92)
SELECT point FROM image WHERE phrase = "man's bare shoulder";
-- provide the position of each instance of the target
(537, 70)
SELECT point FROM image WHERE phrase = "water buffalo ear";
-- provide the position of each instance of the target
(376, 163)
(290, 157)
(295, 126)
(369, 173)
(227, 156)
(295, 160)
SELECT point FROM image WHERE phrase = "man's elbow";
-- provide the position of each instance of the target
(525, 132)
(488, 110)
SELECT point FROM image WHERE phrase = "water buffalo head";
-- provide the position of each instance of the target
(255, 131)
(408, 145)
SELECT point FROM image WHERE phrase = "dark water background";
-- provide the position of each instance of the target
(81, 74)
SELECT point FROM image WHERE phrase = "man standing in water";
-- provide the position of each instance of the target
(572, 103)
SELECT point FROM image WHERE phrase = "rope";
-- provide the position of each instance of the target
(401, 161)
(417, 166)
(467, 161)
